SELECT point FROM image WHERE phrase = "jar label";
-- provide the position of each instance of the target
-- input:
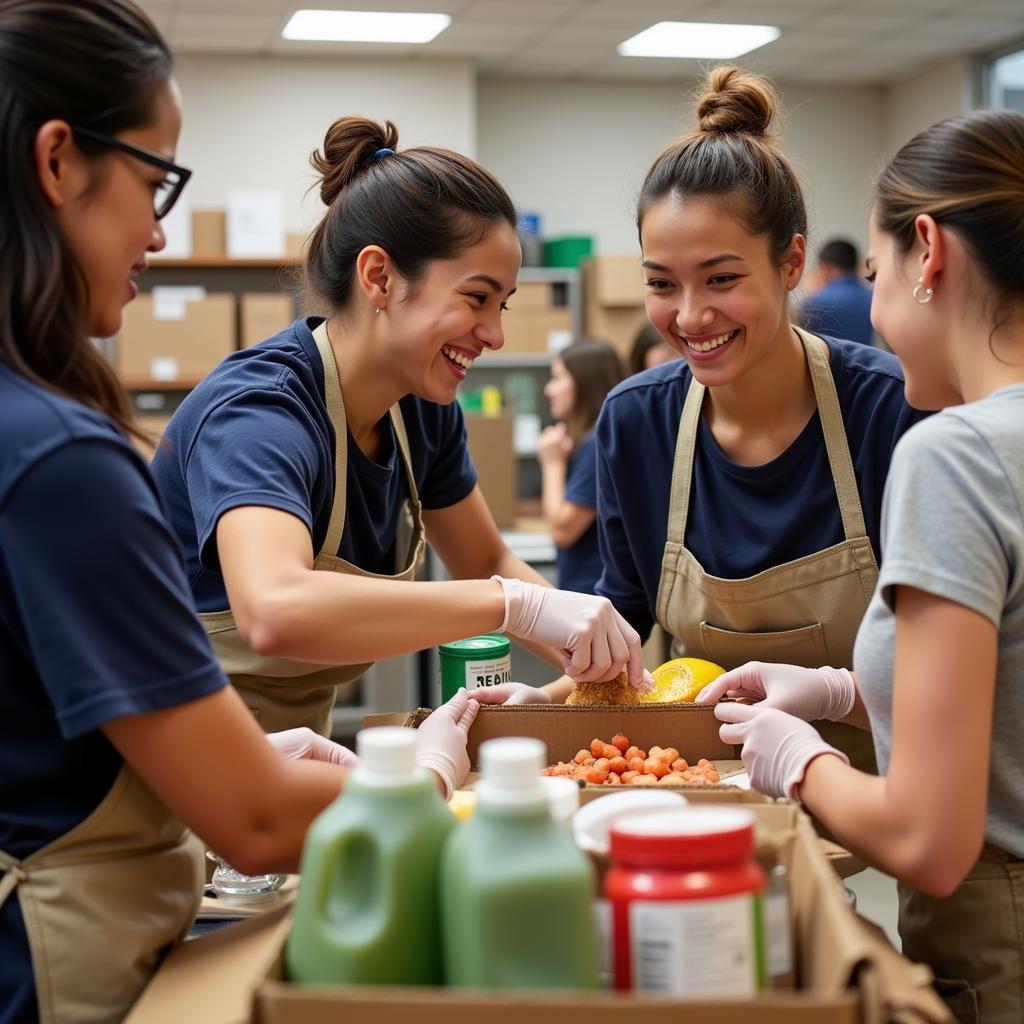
(488, 673)
(695, 947)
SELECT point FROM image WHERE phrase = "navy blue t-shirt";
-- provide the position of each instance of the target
(96, 622)
(841, 309)
(742, 519)
(579, 565)
(256, 432)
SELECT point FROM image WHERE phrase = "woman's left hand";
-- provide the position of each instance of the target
(304, 744)
(511, 693)
(777, 748)
(554, 445)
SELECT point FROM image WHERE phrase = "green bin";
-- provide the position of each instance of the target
(569, 251)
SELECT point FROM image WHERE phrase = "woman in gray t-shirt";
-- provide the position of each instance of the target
(939, 658)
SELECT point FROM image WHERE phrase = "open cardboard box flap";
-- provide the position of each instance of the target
(848, 972)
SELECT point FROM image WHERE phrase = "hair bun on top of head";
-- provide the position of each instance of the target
(350, 147)
(736, 101)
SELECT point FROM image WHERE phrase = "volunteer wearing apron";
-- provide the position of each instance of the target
(739, 489)
(303, 475)
(118, 731)
(939, 657)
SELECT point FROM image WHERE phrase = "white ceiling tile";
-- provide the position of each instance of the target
(227, 27)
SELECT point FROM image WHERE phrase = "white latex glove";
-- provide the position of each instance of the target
(808, 693)
(594, 640)
(777, 748)
(304, 744)
(511, 693)
(441, 741)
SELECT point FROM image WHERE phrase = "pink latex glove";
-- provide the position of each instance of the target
(511, 693)
(594, 640)
(777, 748)
(441, 741)
(808, 693)
(302, 744)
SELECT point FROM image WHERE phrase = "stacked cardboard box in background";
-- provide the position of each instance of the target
(613, 300)
(532, 317)
(175, 335)
(493, 452)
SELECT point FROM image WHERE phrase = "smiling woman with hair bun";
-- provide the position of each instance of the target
(740, 488)
(305, 475)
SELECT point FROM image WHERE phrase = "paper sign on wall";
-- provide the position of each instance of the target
(256, 224)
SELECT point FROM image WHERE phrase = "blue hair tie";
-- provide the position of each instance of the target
(383, 153)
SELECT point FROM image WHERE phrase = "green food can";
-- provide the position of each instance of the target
(474, 662)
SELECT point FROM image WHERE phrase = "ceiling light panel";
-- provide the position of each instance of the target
(697, 40)
(365, 26)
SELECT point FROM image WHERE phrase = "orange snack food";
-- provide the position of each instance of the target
(621, 763)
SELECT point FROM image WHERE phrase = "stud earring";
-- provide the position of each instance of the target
(922, 295)
(376, 310)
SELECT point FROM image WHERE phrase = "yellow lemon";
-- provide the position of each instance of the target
(680, 680)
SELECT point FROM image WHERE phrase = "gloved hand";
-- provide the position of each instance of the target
(777, 748)
(300, 744)
(595, 641)
(511, 693)
(808, 693)
(441, 741)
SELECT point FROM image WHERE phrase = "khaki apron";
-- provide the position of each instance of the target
(103, 901)
(973, 940)
(286, 694)
(805, 612)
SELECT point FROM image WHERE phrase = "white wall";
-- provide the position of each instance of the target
(577, 152)
(940, 90)
(252, 123)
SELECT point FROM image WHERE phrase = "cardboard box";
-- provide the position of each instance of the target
(264, 314)
(532, 295)
(847, 973)
(613, 300)
(179, 340)
(616, 280)
(209, 233)
(493, 453)
(527, 330)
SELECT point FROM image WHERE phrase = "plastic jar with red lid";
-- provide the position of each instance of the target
(685, 893)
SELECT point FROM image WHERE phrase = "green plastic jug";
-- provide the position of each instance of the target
(367, 911)
(516, 893)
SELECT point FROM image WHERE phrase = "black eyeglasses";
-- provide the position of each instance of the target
(168, 190)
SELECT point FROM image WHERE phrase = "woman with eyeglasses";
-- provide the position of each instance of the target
(304, 475)
(118, 731)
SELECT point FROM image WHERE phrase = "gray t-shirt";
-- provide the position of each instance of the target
(952, 525)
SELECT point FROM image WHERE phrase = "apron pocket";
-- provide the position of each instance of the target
(804, 646)
(961, 999)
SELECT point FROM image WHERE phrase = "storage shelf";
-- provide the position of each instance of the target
(206, 262)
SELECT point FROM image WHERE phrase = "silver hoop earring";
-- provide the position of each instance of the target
(922, 295)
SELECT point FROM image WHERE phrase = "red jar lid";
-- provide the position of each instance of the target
(687, 837)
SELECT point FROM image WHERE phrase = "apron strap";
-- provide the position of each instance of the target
(336, 411)
(682, 470)
(418, 540)
(14, 873)
(833, 429)
(836, 444)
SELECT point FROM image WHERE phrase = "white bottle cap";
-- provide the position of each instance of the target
(592, 823)
(387, 756)
(511, 768)
(563, 797)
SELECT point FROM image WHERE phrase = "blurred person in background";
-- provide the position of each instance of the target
(581, 375)
(840, 304)
(649, 349)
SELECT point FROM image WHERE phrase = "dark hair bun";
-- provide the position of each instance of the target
(349, 148)
(735, 101)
